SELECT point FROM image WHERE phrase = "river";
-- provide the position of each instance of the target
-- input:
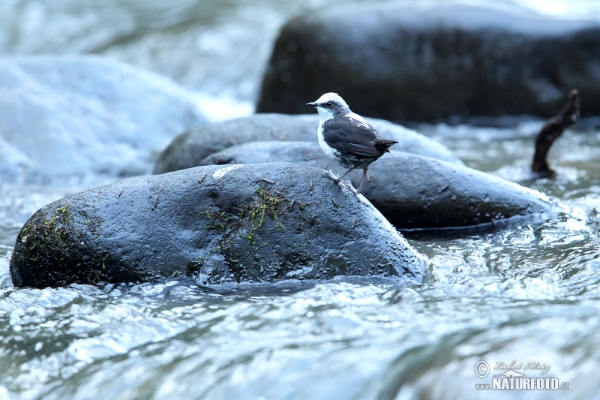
(525, 299)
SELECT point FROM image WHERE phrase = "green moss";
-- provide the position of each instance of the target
(51, 253)
(240, 229)
(49, 235)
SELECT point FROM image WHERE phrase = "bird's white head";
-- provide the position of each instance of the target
(330, 105)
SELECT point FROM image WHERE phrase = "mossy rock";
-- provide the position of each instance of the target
(217, 224)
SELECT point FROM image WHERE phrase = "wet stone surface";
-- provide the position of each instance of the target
(218, 224)
(434, 62)
(190, 148)
(414, 192)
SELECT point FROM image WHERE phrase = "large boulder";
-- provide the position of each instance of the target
(256, 223)
(64, 119)
(435, 61)
(411, 191)
(190, 148)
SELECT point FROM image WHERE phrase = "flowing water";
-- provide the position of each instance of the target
(525, 299)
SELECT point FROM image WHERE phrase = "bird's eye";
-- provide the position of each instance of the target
(329, 103)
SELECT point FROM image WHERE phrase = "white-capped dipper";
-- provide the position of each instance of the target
(346, 137)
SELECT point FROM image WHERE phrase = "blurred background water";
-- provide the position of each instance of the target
(528, 294)
(218, 48)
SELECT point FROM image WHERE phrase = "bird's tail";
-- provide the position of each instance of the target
(384, 145)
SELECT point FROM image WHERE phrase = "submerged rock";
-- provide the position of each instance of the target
(258, 223)
(411, 191)
(430, 62)
(190, 148)
(63, 119)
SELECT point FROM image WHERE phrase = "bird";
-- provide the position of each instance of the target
(347, 138)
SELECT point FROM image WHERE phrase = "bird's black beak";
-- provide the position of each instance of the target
(312, 103)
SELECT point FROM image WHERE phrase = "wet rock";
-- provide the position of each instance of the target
(411, 191)
(64, 119)
(258, 223)
(190, 148)
(305, 153)
(431, 62)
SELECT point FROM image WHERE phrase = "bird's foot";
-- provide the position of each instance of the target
(357, 195)
(336, 178)
(354, 191)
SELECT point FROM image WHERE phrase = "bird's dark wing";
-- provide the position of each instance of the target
(346, 135)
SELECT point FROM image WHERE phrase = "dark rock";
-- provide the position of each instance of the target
(218, 224)
(75, 118)
(190, 148)
(305, 153)
(423, 63)
(411, 191)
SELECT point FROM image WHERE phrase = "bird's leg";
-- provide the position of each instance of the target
(361, 183)
(337, 180)
(354, 191)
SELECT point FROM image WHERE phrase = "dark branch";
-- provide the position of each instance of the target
(551, 131)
